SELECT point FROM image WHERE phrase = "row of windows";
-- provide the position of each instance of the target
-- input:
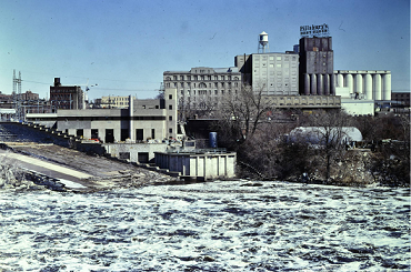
(215, 77)
(208, 98)
(201, 85)
(205, 92)
(275, 58)
(114, 118)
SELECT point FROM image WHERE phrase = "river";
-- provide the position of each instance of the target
(214, 226)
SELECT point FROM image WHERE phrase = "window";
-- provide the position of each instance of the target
(170, 130)
(170, 97)
(143, 157)
(170, 107)
(153, 133)
(124, 155)
(170, 118)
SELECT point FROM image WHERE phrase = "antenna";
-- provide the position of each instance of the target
(263, 46)
(17, 94)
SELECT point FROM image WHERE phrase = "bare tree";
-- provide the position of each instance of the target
(330, 135)
(241, 114)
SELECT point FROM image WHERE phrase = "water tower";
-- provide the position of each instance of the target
(263, 46)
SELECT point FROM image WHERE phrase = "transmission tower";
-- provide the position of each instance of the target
(17, 94)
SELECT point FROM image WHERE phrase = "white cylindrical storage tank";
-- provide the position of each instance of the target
(313, 84)
(306, 84)
(386, 87)
(326, 80)
(340, 80)
(358, 84)
(367, 87)
(348, 79)
(320, 84)
(376, 84)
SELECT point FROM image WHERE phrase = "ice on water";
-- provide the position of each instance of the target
(219, 226)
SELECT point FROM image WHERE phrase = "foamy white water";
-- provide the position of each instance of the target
(220, 226)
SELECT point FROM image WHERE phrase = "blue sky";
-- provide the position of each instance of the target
(124, 46)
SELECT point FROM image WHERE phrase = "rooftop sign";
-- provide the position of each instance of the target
(310, 31)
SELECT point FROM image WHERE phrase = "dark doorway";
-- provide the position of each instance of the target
(139, 135)
(94, 134)
(80, 133)
(124, 134)
(109, 135)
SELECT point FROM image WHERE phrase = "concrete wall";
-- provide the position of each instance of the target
(358, 107)
(205, 166)
(303, 101)
(114, 149)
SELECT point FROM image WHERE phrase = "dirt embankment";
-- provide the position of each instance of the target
(106, 174)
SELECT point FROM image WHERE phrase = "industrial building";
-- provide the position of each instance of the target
(316, 66)
(270, 73)
(402, 97)
(66, 97)
(368, 85)
(114, 102)
(142, 120)
(203, 88)
(361, 91)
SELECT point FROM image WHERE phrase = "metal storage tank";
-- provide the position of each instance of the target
(313, 84)
(386, 87)
(263, 41)
(306, 84)
(326, 80)
(367, 87)
(320, 84)
(213, 139)
(332, 84)
(376, 83)
(358, 84)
